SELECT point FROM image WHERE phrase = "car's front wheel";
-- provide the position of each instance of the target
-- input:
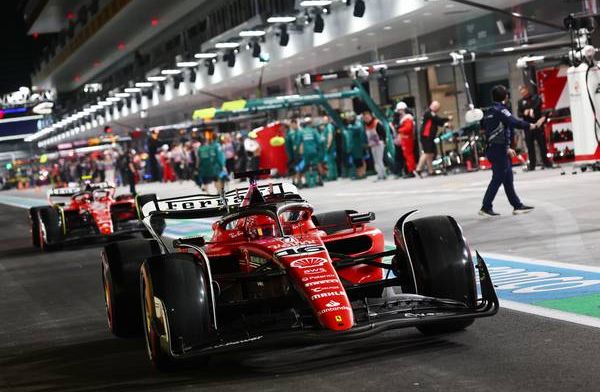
(441, 266)
(175, 307)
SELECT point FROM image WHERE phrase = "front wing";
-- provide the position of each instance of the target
(372, 317)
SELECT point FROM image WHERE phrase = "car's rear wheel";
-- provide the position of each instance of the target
(35, 226)
(175, 306)
(441, 262)
(121, 263)
(49, 229)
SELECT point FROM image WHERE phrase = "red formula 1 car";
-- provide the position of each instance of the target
(274, 272)
(82, 212)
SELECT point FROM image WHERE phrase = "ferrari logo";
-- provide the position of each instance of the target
(339, 319)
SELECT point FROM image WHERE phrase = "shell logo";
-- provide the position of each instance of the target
(277, 141)
(309, 262)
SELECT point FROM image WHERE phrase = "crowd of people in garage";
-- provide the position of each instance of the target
(317, 151)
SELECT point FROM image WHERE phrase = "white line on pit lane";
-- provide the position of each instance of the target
(551, 313)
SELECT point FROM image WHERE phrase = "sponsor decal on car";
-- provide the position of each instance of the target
(320, 282)
(312, 271)
(299, 250)
(312, 278)
(309, 262)
(236, 342)
(321, 289)
(328, 294)
(335, 309)
(332, 304)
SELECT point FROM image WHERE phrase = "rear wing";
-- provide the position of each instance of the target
(210, 206)
(63, 192)
(73, 190)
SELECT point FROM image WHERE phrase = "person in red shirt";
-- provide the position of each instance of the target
(405, 138)
(429, 130)
(165, 161)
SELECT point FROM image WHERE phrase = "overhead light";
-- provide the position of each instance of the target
(319, 24)
(132, 90)
(207, 55)
(359, 8)
(252, 33)
(315, 3)
(226, 45)
(187, 64)
(281, 19)
(122, 95)
(144, 84)
(103, 103)
(156, 78)
(113, 99)
(509, 49)
(422, 58)
(170, 71)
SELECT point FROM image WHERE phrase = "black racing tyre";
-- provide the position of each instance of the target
(333, 221)
(176, 307)
(443, 267)
(50, 230)
(121, 263)
(35, 226)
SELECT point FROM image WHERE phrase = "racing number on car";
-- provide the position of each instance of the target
(300, 250)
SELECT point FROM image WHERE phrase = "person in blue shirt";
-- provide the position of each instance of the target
(499, 125)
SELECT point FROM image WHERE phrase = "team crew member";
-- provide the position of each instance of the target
(530, 110)
(499, 125)
(211, 163)
(330, 148)
(376, 137)
(405, 138)
(291, 148)
(358, 142)
(310, 146)
(429, 129)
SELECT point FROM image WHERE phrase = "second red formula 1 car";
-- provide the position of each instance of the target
(274, 272)
(82, 212)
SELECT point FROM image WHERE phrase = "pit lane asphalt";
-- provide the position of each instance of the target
(53, 337)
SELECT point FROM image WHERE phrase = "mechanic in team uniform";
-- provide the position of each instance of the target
(211, 165)
(499, 126)
(358, 143)
(329, 146)
(310, 147)
(429, 130)
(530, 110)
(292, 135)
